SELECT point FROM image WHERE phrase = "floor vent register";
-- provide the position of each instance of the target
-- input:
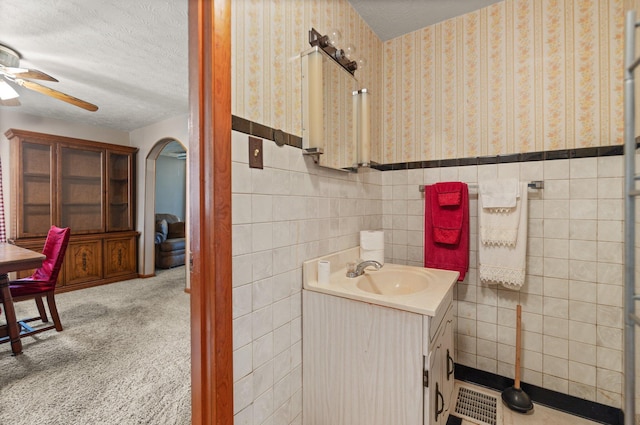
(476, 406)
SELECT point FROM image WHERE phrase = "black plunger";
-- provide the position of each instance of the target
(514, 397)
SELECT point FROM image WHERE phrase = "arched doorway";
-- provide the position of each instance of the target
(172, 148)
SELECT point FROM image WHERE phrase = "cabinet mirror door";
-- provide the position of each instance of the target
(328, 110)
(81, 192)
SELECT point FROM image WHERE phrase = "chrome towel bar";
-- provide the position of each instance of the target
(534, 184)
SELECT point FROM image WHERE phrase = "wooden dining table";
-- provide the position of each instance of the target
(12, 259)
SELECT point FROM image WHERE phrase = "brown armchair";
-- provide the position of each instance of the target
(169, 241)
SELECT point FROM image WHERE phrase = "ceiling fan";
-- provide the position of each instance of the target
(12, 73)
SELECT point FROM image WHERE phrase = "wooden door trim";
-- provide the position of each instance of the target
(210, 211)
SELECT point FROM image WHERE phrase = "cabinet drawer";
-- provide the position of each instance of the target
(120, 256)
(83, 262)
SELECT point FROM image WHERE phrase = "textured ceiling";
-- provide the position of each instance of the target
(393, 18)
(130, 57)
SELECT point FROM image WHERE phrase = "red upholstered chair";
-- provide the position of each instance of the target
(42, 283)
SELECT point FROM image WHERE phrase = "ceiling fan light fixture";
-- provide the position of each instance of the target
(10, 70)
(9, 57)
(7, 92)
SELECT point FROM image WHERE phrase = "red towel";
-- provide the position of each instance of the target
(449, 193)
(446, 231)
(446, 214)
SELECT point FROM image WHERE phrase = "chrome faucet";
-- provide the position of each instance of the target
(359, 269)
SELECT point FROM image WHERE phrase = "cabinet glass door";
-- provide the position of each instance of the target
(81, 190)
(119, 192)
(36, 215)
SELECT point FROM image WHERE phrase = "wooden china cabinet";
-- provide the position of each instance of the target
(85, 185)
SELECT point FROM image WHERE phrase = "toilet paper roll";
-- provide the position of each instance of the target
(372, 240)
(324, 271)
(372, 245)
(377, 255)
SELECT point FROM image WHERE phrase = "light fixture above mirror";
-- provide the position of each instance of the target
(345, 58)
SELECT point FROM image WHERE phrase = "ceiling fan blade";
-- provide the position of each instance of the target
(57, 94)
(29, 73)
(7, 92)
(10, 102)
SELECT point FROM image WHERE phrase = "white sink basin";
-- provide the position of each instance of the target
(396, 282)
(416, 289)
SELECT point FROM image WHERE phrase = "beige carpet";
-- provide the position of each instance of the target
(123, 358)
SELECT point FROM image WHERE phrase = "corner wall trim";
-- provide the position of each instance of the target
(566, 403)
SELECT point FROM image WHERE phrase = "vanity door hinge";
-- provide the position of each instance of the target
(425, 378)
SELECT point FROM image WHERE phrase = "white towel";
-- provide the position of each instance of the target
(499, 216)
(500, 193)
(500, 263)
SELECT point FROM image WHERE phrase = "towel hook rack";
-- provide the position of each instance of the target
(534, 184)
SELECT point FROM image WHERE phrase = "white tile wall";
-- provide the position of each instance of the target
(292, 211)
(572, 298)
(286, 213)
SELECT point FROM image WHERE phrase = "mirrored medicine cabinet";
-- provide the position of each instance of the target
(328, 104)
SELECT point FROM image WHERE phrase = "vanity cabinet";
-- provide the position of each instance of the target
(369, 364)
(85, 185)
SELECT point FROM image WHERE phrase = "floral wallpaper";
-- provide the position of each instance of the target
(516, 76)
(268, 37)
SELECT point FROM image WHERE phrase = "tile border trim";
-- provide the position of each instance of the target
(566, 403)
(506, 159)
(454, 420)
(264, 132)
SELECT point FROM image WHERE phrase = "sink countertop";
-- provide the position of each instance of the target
(424, 302)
